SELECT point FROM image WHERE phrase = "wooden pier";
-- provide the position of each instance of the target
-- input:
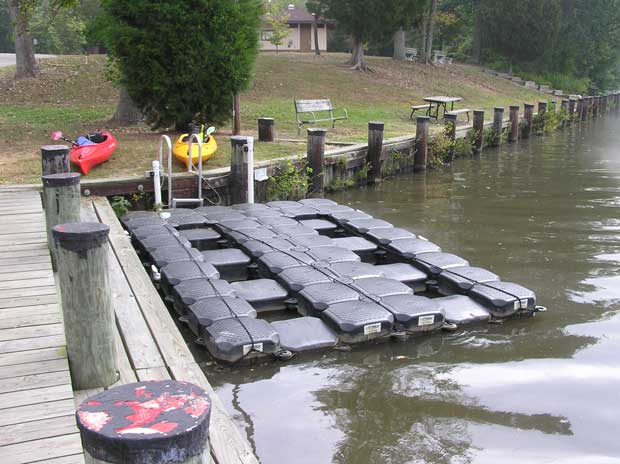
(37, 401)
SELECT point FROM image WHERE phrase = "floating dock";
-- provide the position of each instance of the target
(330, 274)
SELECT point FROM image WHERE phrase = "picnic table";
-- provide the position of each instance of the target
(440, 101)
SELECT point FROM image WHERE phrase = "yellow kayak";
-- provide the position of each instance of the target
(180, 150)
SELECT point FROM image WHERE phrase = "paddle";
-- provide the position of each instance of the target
(57, 135)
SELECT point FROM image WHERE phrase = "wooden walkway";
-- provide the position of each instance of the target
(37, 403)
(36, 399)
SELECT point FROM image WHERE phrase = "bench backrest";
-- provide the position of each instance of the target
(308, 106)
(413, 51)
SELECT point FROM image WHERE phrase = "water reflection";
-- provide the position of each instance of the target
(542, 213)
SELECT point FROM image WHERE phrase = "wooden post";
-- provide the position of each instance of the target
(54, 159)
(579, 111)
(586, 108)
(604, 104)
(498, 122)
(421, 144)
(62, 204)
(82, 251)
(564, 111)
(169, 420)
(528, 116)
(479, 130)
(571, 110)
(514, 124)
(316, 155)
(236, 125)
(375, 149)
(266, 129)
(238, 170)
(450, 122)
(595, 106)
(542, 111)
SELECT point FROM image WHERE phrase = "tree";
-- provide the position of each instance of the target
(183, 61)
(364, 20)
(318, 11)
(20, 13)
(277, 16)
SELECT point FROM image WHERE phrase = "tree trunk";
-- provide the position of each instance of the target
(422, 54)
(431, 30)
(358, 61)
(26, 63)
(477, 45)
(127, 112)
(399, 45)
(317, 49)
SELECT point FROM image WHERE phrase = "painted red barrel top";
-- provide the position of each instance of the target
(146, 422)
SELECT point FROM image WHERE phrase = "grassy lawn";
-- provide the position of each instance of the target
(73, 96)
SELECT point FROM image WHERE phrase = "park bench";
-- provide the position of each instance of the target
(462, 111)
(428, 107)
(317, 106)
(411, 54)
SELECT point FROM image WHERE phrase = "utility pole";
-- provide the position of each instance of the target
(236, 112)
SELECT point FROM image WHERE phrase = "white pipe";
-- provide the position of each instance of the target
(250, 161)
(157, 185)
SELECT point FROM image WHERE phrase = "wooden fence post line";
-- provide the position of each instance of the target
(178, 433)
(375, 149)
(528, 117)
(498, 123)
(316, 156)
(571, 110)
(54, 159)
(62, 204)
(82, 251)
(266, 129)
(421, 144)
(238, 170)
(513, 136)
(479, 130)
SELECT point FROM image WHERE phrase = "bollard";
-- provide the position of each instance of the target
(571, 110)
(238, 170)
(375, 149)
(479, 130)
(528, 117)
(266, 129)
(153, 422)
(513, 136)
(421, 144)
(82, 251)
(61, 197)
(316, 155)
(54, 159)
(498, 123)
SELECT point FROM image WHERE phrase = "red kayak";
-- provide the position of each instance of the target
(95, 150)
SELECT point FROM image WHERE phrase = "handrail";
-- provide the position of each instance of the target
(166, 139)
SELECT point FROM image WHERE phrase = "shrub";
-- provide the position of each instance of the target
(183, 61)
(289, 183)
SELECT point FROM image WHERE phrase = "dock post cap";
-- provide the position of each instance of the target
(54, 148)
(80, 236)
(65, 179)
(146, 422)
(478, 111)
(450, 116)
(423, 118)
(515, 107)
(499, 109)
(528, 105)
(317, 131)
(376, 125)
(239, 139)
(267, 120)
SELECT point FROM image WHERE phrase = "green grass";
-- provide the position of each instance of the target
(72, 96)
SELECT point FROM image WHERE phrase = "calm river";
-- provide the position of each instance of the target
(545, 214)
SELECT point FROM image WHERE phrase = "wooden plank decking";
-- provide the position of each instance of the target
(37, 402)
(36, 398)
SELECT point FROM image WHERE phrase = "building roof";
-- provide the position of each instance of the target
(297, 16)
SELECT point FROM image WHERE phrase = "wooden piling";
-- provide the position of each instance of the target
(375, 150)
(82, 251)
(54, 159)
(169, 420)
(579, 112)
(585, 113)
(266, 129)
(62, 204)
(528, 117)
(595, 106)
(564, 111)
(421, 144)
(238, 170)
(498, 123)
(479, 130)
(316, 156)
(513, 136)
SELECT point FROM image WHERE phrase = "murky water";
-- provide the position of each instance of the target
(545, 214)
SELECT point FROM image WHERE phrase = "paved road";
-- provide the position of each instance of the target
(8, 59)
